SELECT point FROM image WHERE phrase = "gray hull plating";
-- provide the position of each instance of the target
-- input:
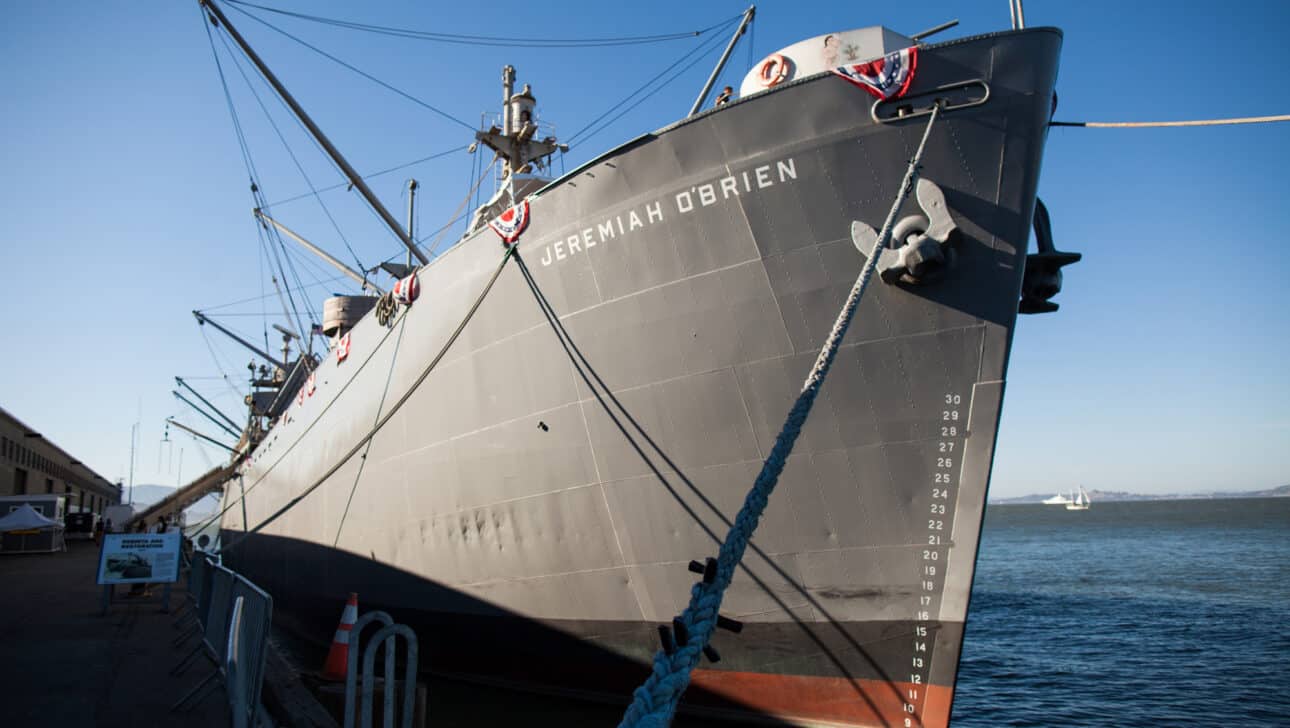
(566, 482)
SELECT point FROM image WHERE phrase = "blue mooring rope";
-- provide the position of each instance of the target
(654, 703)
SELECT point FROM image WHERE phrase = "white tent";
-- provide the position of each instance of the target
(26, 518)
(25, 530)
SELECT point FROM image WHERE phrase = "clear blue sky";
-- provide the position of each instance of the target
(125, 206)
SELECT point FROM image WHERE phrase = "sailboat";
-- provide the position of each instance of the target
(1079, 502)
(525, 447)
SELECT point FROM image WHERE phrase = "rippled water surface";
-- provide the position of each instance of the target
(1130, 614)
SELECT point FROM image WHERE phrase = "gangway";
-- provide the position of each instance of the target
(205, 484)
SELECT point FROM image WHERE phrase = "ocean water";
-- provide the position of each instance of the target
(1172, 613)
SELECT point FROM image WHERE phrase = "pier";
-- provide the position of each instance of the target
(67, 665)
(64, 664)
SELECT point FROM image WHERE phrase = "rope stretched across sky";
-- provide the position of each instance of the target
(489, 40)
(1157, 124)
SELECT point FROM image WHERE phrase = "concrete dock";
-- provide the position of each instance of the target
(61, 664)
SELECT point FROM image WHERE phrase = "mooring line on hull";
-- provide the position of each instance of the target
(389, 377)
(654, 703)
(604, 395)
(1159, 124)
(361, 366)
(470, 313)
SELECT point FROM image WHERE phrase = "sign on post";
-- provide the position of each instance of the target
(139, 558)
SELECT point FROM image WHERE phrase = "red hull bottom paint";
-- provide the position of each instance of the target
(831, 701)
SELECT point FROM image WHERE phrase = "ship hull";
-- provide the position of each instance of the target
(532, 505)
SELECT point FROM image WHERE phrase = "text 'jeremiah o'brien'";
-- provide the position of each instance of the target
(704, 195)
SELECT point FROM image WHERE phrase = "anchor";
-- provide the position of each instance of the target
(921, 251)
(1043, 277)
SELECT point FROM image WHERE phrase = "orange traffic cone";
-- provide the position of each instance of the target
(337, 664)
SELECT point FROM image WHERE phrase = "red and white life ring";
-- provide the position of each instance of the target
(773, 70)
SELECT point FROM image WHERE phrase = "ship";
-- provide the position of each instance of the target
(1079, 502)
(520, 449)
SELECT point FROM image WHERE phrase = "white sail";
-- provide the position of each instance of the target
(1079, 502)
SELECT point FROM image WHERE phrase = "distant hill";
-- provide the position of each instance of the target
(1110, 496)
(146, 495)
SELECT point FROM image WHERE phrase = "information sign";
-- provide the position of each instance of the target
(137, 558)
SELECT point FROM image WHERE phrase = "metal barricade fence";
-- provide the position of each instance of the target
(198, 597)
(204, 598)
(221, 605)
(246, 649)
(215, 635)
(186, 571)
(204, 587)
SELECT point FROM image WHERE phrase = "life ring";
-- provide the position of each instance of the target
(773, 70)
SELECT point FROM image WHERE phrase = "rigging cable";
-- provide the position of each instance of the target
(253, 299)
(412, 389)
(474, 167)
(347, 183)
(458, 214)
(318, 273)
(362, 463)
(702, 51)
(360, 72)
(262, 257)
(219, 364)
(262, 203)
(461, 208)
(483, 40)
(232, 109)
(255, 188)
(245, 149)
(697, 49)
(266, 241)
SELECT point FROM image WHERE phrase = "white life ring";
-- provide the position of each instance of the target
(773, 70)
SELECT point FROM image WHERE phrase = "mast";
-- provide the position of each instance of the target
(134, 432)
(412, 199)
(287, 336)
(1017, 13)
(218, 17)
(513, 141)
(721, 63)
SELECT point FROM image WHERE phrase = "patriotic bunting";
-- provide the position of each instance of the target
(407, 289)
(342, 348)
(887, 77)
(511, 224)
